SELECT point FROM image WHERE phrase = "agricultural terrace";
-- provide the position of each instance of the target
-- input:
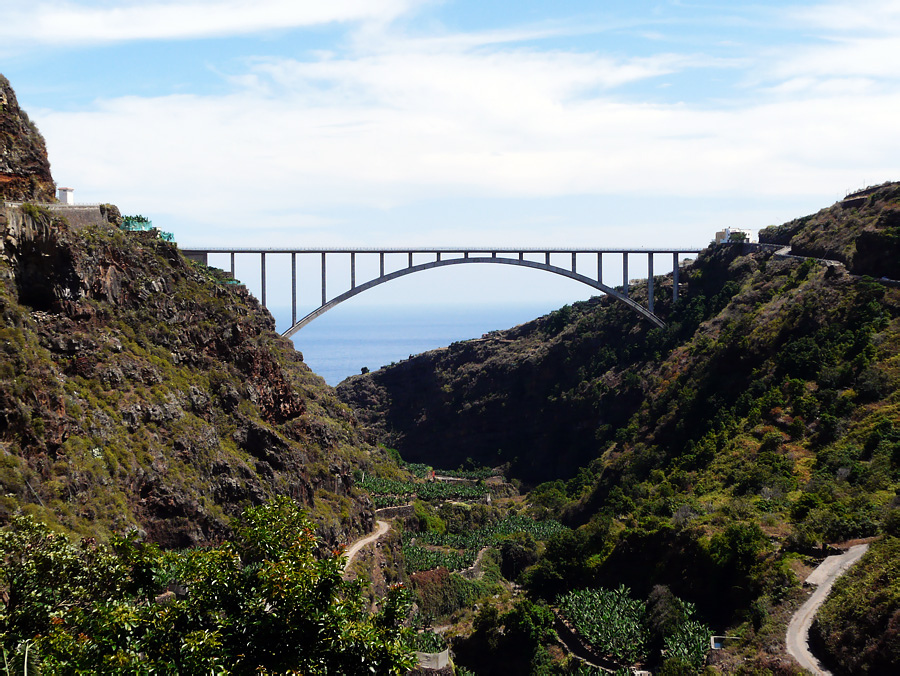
(618, 627)
(456, 551)
(392, 492)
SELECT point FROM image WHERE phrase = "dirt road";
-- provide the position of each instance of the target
(798, 630)
(352, 550)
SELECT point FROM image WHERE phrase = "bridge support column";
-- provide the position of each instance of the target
(674, 277)
(600, 267)
(521, 256)
(263, 275)
(574, 261)
(625, 274)
(293, 289)
(650, 282)
(438, 259)
(547, 258)
(323, 278)
(410, 259)
(352, 270)
(381, 262)
(232, 265)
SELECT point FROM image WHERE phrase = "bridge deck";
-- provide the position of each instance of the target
(464, 249)
(443, 256)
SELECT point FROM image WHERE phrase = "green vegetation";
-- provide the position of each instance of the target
(465, 545)
(420, 558)
(716, 456)
(428, 642)
(711, 460)
(141, 393)
(509, 642)
(262, 603)
(625, 630)
(610, 621)
(406, 491)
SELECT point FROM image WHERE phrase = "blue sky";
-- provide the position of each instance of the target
(417, 122)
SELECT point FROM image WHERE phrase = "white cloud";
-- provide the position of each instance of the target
(471, 116)
(57, 22)
(869, 16)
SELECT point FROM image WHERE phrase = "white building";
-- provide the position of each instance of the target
(66, 196)
(734, 235)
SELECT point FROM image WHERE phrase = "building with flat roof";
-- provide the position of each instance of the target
(66, 196)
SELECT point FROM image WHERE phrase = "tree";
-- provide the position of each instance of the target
(263, 603)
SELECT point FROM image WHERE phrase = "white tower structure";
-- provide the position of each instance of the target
(67, 196)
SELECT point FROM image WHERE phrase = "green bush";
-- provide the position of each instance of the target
(262, 603)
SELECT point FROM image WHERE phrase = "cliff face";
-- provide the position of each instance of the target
(137, 390)
(761, 422)
(551, 395)
(24, 167)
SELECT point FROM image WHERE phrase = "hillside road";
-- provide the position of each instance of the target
(798, 630)
(352, 550)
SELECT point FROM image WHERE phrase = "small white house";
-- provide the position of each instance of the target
(734, 235)
(66, 196)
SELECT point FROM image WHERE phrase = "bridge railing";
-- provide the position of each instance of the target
(443, 256)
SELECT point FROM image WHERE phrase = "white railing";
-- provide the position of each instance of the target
(54, 205)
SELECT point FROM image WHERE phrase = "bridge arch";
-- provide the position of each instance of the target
(384, 278)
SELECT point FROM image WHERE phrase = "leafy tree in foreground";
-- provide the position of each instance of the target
(263, 603)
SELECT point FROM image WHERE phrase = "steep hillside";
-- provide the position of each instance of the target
(762, 422)
(24, 168)
(136, 389)
(862, 230)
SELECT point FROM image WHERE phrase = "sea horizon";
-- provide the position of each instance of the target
(344, 341)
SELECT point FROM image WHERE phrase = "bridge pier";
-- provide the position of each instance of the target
(674, 276)
(323, 278)
(650, 282)
(293, 287)
(625, 274)
(263, 275)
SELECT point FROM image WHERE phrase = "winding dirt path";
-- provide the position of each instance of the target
(798, 630)
(353, 550)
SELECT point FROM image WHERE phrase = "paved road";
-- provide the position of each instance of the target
(353, 550)
(798, 630)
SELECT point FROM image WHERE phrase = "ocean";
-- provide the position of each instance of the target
(344, 340)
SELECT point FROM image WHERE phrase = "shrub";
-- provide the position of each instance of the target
(263, 602)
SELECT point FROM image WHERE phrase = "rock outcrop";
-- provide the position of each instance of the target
(138, 390)
(24, 167)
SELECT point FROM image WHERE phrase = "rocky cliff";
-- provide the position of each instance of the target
(139, 391)
(549, 396)
(707, 456)
(24, 167)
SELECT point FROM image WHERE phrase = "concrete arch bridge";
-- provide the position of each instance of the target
(421, 259)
